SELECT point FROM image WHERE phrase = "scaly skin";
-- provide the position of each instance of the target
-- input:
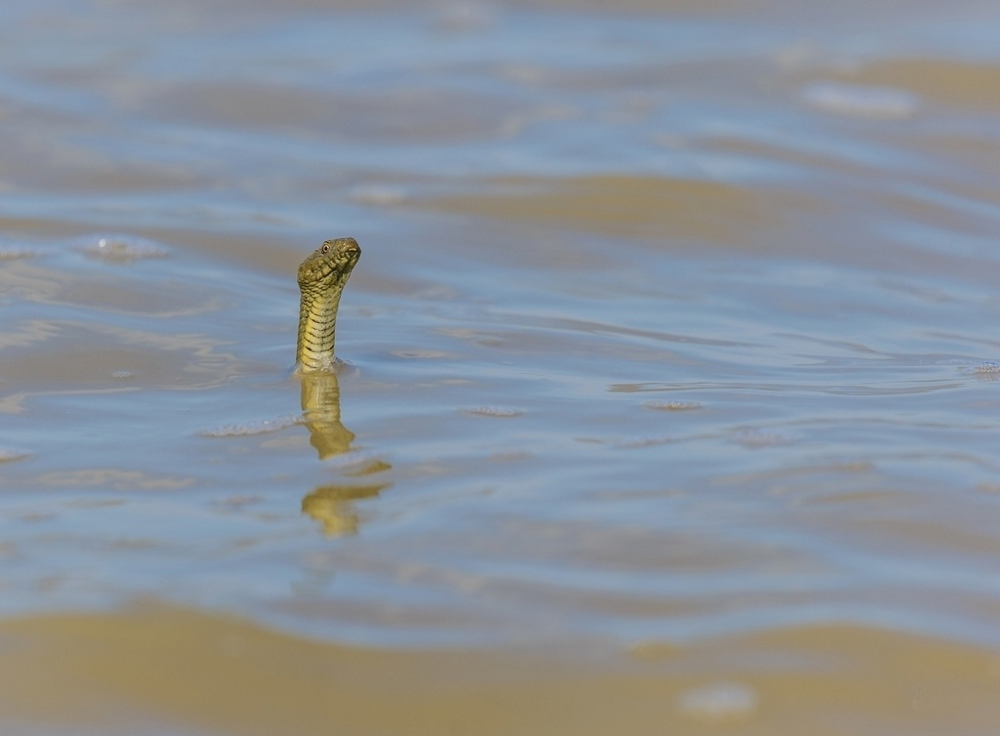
(322, 277)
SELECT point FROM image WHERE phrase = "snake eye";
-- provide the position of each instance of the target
(326, 248)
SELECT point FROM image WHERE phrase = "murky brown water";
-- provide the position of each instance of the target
(671, 403)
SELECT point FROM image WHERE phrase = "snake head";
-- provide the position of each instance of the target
(330, 264)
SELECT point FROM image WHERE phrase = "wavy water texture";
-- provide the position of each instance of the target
(669, 402)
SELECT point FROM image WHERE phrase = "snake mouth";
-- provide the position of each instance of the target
(351, 255)
(349, 248)
(343, 252)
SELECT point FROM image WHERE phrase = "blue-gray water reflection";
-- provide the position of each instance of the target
(669, 326)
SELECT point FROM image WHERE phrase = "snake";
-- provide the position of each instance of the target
(322, 277)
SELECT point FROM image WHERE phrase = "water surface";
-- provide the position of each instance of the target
(670, 385)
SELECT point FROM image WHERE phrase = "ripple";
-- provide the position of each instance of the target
(757, 438)
(357, 463)
(8, 454)
(419, 354)
(672, 405)
(122, 248)
(492, 411)
(120, 480)
(16, 254)
(719, 702)
(378, 195)
(985, 368)
(251, 428)
(639, 442)
(877, 103)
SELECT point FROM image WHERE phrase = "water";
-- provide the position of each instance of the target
(671, 380)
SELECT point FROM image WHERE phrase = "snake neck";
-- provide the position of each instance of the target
(317, 330)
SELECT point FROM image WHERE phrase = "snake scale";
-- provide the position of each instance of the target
(322, 277)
